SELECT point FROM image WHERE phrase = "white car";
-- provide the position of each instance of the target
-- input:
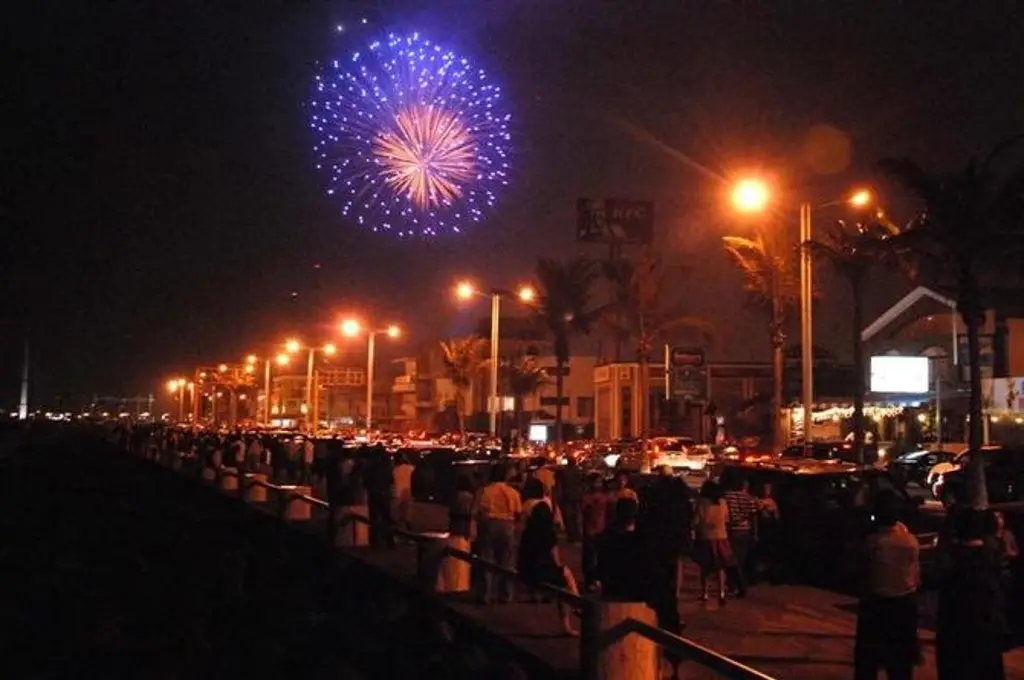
(934, 478)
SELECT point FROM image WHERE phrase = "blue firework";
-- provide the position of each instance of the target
(412, 138)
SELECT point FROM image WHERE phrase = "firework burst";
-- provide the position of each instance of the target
(411, 137)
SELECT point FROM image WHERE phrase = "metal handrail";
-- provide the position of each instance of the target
(692, 651)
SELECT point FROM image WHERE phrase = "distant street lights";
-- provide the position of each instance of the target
(466, 290)
(178, 385)
(352, 328)
(752, 195)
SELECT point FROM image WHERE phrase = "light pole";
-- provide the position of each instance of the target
(351, 328)
(178, 385)
(466, 290)
(752, 195)
(293, 346)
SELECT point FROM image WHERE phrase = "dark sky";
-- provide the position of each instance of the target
(162, 205)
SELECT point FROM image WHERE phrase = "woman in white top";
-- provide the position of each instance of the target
(712, 549)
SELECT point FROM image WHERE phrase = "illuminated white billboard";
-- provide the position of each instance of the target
(903, 375)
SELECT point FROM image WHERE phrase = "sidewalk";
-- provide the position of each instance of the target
(790, 632)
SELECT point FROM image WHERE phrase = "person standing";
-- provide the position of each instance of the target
(743, 510)
(378, 480)
(628, 571)
(971, 619)
(712, 549)
(402, 491)
(498, 511)
(570, 494)
(540, 561)
(886, 635)
(594, 509)
(665, 521)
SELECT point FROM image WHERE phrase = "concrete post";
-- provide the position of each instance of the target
(295, 509)
(229, 479)
(429, 558)
(349, 532)
(622, 656)
(255, 493)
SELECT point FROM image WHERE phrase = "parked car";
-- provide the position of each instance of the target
(1004, 476)
(832, 451)
(825, 513)
(916, 466)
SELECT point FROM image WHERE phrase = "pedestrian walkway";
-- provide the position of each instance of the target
(789, 632)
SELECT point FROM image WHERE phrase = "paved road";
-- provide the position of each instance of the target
(791, 632)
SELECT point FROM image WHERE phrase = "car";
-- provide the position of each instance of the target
(831, 451)
(917, 466)
(825, 513)
(1004, 476)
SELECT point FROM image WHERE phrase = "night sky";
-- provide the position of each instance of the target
(162, 206)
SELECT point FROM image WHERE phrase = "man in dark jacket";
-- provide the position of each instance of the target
(570, 492)
(666, 515)
(378, 480)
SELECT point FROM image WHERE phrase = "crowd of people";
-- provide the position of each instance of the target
(633, 544)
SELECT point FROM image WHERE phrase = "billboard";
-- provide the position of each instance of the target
(614, 221)
(900, 375)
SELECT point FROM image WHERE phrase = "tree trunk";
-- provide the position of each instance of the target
(518, 416)
(460, 402)
(559, 387)
(858, 368)
(973, 316)
(642, 416)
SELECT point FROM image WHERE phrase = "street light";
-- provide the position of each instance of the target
(178, 385)
(751, 195)
(464, 290)
(351, 328)
(292, 346)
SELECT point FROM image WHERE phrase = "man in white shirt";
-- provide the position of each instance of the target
(887, 612)
(402, 491)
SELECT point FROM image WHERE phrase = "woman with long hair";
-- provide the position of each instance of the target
(712, 550)
(540, 561)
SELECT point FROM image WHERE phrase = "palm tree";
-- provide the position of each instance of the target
(563, 309)
(523, 378)
(853, 250)
(970, 220)
(772, 278)
(463, 361)
(639, 312)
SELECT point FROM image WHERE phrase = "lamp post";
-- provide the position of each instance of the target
(466, 290)
(351, 328)
(752, 196)
(310, 413)
(178, 385)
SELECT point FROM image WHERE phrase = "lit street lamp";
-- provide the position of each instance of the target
(178, 385)
(465, 290)
(751, 195)
(309, 410)
(351, 328)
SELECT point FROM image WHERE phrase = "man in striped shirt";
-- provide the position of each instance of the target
(742, 513)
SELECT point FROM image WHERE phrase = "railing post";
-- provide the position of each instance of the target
(255, 492)
(296, 509)
(625, 655)
(430, 555)
(590, 634)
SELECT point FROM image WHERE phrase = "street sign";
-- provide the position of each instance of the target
(614, 221)
(690, 383)
(687, 356)
(689, 373)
